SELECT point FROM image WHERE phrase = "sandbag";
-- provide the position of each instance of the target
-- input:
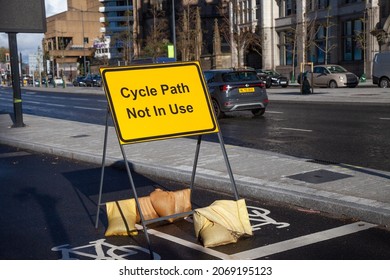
(147, 209)
(121, 217)
(167, 203)
(223, 222)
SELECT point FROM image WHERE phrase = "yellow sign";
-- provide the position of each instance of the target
(159, 101)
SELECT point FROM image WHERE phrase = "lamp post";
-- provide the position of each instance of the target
(82, 30)
(128, 43)
(174, 28)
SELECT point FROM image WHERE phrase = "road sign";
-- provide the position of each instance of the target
(158, 101)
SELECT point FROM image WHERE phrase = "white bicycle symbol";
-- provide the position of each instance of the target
(260, 215)
(101, 250)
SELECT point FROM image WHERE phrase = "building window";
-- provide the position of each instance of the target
(352, 50)
(290, 7)
(286, 48)
(322, 4)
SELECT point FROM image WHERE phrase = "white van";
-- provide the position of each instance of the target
(381, 70)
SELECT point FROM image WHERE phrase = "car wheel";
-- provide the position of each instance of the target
(258, 112)
(332, 84)
(217, 110)
(384, 83)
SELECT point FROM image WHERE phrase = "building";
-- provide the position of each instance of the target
(271, 34)
(117, 18)
(69, 39)
(347, 32)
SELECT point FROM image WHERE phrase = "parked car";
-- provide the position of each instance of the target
(265, 78)
(381, 70)
(273, 77)
(331, 76)
(236, 90)
(57, 82)
(93, 80)
(79, 81)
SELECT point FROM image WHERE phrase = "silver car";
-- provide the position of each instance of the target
(236, 90)
(332, 76)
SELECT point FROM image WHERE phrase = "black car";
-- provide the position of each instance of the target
(273, 77)
(79, 81)
(266, 78)
(93, 81)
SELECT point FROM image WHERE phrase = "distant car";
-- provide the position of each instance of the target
(58, 81)
(93, 80)
(265, 78)
(79, 81)
(331, 76)
(275, 78)
(236, 90)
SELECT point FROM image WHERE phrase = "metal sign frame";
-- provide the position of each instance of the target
(130, 176)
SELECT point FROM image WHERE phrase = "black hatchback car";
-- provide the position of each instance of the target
(275, 78)
(236, 90)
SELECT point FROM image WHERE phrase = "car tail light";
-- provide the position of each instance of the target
(260, 85)
(225, 87)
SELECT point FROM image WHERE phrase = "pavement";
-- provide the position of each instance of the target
(339, 189)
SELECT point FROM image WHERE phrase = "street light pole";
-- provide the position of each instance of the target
(82, 30)
(174, 28)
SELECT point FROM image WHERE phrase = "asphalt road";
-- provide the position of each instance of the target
(350, 133)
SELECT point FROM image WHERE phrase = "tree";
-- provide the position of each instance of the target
(156, 42)
(240, 36)
(361, 40)
(190, 39)
(322, 40)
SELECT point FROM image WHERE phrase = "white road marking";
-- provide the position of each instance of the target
(272, 248)
(296, 129)
(385, 119)
(274, 112)
(302, 241)
(187, 244)
(89, 108)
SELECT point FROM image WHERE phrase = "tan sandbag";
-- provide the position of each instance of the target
(211, 234)
(147, 209)
(182, 200)
(163, 202)
(167, 203)
(121, 217)
(230, 215)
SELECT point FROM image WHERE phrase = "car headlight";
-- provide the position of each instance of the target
(341, 78)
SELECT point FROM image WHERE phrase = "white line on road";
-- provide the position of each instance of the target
(296, 129)
(301, 241)
(274, 112)
(385, 119)
(89, 108)
(187, 244)
(272, 248)
(44, 103)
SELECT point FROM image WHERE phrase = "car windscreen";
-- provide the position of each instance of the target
(336, 69)
(240, 76)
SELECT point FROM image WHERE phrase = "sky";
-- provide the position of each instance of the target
(28, 42)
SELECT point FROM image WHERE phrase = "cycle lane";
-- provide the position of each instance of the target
(50, 204)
